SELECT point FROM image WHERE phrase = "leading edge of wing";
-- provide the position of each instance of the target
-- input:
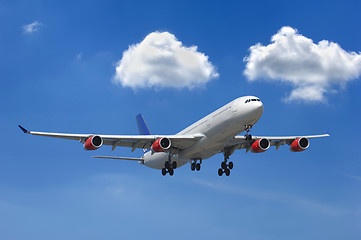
(290, 137)
(114, 137)
(56, 135)
(132, 138)
(281, 137)
(242, 139)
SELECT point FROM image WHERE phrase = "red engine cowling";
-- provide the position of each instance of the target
(261, 145)
(93, 143)
(161, 145)
(299, 145)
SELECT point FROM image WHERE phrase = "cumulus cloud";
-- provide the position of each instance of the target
(32, 27)
(312, 69)
(161, 60)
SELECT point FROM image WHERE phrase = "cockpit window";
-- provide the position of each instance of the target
(252, 100)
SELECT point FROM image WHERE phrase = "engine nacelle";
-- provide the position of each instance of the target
(299, 145)
(261, 145)
(161, 145)
(93, 143)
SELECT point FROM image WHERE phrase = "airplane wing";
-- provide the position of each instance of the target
(120, 158)
(243, 142)
(132, 141)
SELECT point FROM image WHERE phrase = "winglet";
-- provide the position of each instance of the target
(23, 129)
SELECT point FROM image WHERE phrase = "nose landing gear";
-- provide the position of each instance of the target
(248, 128)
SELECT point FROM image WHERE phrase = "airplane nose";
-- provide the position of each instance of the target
(258, 109)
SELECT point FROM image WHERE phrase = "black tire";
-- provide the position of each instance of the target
(227, 172)
(248, 137)
(164, 171)
(224, 165)
(230, 165)
(171, 171)
(167, 165)
(193, 166)
(198, 166)
(220, 172)
(174, 164)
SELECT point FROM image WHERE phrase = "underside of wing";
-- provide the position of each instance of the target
(147, 141)
(262, 143)
(94, 141)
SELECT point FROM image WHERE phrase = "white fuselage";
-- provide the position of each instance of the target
(217, 129)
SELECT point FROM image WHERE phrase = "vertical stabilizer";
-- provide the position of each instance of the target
(142, 126)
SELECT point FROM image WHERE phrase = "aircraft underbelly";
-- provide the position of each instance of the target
(157, 160)
(204, 148)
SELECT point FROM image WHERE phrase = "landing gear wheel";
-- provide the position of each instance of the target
(193, 166)
(223, 165)
(220, 172)
(198, 166)
(227, 172)
(167, 165)
(230, 165)
(174, 164)
(164, 171)
(171, 171)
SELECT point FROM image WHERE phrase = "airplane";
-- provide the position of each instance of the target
(216, 133)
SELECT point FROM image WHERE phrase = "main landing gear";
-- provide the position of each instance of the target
(225, 168)
(169, 167)
(195, 165)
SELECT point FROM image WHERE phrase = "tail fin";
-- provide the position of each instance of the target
(142, 126)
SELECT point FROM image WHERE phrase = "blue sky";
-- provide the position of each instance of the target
(58, 75)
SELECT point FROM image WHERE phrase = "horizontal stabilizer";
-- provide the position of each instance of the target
(120, 158)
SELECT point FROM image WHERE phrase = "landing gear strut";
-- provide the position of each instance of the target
(169, 166)
(248, 128)
(225, 168)
(195, 165)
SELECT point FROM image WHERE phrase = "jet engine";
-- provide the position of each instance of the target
(260, 145)
(161, 145)
(299, 145)
(93, 143)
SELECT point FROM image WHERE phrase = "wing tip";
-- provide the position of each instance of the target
(23, 129)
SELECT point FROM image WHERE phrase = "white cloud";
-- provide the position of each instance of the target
(32, 27)
(160, 60)
(312, 69)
